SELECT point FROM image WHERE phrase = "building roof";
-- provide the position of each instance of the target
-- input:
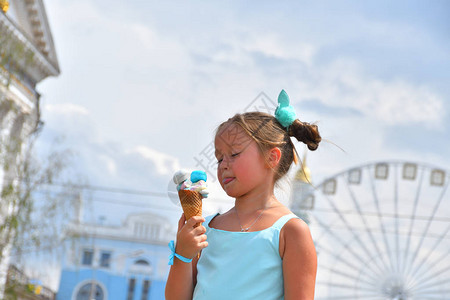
(142, 227)
(26, 21)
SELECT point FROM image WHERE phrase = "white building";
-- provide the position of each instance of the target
(27, 56)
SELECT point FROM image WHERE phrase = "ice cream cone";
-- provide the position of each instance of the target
(191, 201)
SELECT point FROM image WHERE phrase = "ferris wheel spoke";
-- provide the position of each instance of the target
(427, 227)
(344, 286)
(432, 292)
(434, 286)
(349, 249)
(349, 296)
(366, 226)
(383, 230)
(427, 256)
(411, 223)
(345, 274)
(344, 261)
(436, 272)
(396, 218)
(352, 231)
(430, 297)
(349, 275)
(348, 264)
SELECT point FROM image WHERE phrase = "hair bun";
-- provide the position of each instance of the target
(305, 133)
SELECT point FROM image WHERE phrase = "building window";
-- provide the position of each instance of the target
(147, 231)
(88, 256)
(90, 291)
(145, 290)
(141, 266)
(131, 285)
(105, 259)
(142, 262)
(155, 229)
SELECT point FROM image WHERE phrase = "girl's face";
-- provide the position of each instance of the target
(241, 166)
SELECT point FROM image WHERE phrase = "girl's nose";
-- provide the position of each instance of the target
(225, 163)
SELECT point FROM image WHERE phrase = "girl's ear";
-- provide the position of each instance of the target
(274, 157)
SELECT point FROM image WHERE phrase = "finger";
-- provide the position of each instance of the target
(203, 245)
(199, 230)
(194, 220)
(181, 222)
(202, 238)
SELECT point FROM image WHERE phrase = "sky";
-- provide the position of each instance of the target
(144, 84)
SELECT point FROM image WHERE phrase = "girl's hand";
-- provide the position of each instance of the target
(190, 240)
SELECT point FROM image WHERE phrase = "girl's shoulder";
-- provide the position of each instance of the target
(295, 233)
(295, 227)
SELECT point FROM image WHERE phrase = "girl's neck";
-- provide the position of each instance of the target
(250, 203)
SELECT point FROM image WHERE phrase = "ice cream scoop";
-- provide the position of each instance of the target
(192, 188)
(180, 176)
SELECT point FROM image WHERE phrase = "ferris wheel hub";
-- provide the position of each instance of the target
(394, 288)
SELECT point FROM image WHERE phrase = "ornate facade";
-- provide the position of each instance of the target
(27, 56)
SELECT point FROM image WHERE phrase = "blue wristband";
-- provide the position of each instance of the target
(173, 254)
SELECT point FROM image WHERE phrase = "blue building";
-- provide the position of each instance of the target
(127, 262)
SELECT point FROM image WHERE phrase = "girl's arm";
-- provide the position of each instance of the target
(299, 261)
(181, 281)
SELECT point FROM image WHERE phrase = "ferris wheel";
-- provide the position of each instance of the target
(382, 231)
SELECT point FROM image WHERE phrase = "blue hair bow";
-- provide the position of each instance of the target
(285, 113)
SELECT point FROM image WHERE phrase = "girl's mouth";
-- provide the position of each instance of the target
(227, 180)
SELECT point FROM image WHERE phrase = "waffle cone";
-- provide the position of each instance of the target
(191, 201)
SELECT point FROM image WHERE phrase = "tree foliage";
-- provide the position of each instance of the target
(37, 199)
(36, 187)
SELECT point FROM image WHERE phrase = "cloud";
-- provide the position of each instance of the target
(163, 76)
(278, 46)
(332, 110)
(110, 164)
(66, 109)
(344, 83)
(165, 164)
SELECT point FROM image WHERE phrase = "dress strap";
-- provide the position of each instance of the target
(283, 220)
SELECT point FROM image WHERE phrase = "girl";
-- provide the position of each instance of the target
(258, 249)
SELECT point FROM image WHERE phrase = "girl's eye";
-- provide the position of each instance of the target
(232, 156)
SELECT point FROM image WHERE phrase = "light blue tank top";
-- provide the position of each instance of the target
(241, 265)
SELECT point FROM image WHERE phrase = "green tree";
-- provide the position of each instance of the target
(37, 197)
(36, 191)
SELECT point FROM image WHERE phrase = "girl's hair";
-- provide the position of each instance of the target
(267, 132)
